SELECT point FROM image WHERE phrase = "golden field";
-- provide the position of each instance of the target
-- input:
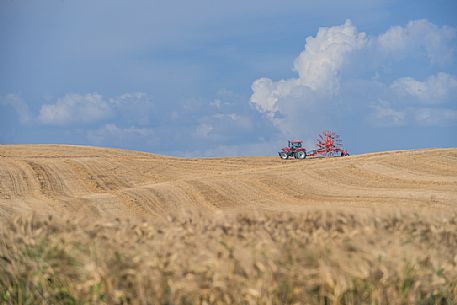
(85, 225)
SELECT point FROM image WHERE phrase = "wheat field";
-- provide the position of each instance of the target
(85, 225)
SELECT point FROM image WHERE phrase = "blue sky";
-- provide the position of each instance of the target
(214, 78)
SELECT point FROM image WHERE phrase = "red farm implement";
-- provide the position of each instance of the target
(328, 144)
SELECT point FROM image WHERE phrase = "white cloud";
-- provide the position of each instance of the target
(19, 106)
(321, 60)
(203, 130)
(290, 103)
(218, 103)
(132, 108)
(112, 134)
(76, 108)
(435, 116)
(265, 94)
(417, 35)
(436, 88)
(319, 97)
(317, 67)
(231, 116)
(223, 126)
(384, 115)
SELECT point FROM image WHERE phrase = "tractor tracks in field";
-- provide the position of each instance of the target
(125, 182)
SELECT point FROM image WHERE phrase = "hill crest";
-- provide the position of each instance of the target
(100, 181)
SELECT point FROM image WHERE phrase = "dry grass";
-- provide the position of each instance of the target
(323, 245)
(112, 182)
(281, 258)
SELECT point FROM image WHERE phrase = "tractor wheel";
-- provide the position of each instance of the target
(284, 156)
(300, 154)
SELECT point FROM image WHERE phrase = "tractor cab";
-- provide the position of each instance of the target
(294, 144)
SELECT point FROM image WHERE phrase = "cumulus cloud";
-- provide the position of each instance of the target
(437, 42)
(224, 127)
(203, 130)
(321, 97)
(321, 60)
(133, 108)
(111, 134)
(385, 115)
(435, 89)
(132, 120)
(317, 66)
(76, 108)
(435, 116)
(19, 106)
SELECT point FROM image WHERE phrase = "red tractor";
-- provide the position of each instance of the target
(328, 145)
(294, 149)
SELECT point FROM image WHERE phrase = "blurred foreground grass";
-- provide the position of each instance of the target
(254, 258)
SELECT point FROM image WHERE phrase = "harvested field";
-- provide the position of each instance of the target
(110, 182)
(84, 225)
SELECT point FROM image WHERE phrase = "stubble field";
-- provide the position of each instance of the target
(84, 225)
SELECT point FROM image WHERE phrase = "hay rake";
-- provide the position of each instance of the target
(328, 144)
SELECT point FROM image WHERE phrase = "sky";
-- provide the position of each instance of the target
(210, 78)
